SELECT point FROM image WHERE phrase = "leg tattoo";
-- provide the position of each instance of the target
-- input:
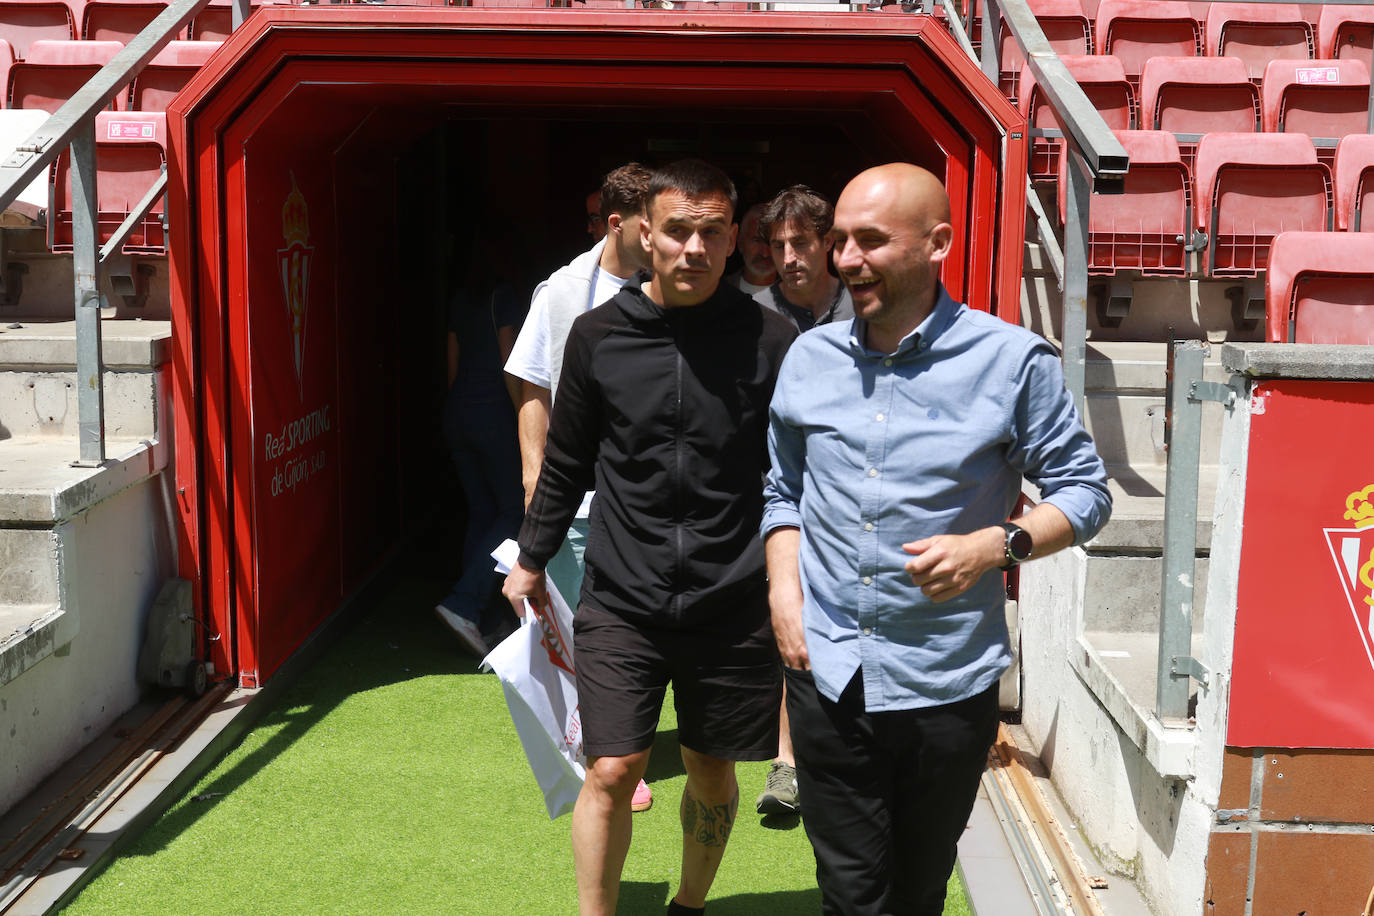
(708, 825)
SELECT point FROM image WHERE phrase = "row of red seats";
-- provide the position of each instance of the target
(54, 70)
(1327, 100)
(1136, 30)
(22, 22)
(1244, 191)
(1256, 205)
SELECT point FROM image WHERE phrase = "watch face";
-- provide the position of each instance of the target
(1019, 544)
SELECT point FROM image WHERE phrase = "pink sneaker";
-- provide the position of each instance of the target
(643, 799)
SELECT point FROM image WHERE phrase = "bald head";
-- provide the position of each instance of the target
(914, 194)
(892, 233)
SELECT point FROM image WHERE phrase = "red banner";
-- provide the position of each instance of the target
(1303, 672)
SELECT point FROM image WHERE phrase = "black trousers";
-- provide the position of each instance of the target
(886, 795)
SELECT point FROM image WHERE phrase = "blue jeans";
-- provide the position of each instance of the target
(482, 442)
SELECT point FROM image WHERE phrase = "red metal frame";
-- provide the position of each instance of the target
(904, 72)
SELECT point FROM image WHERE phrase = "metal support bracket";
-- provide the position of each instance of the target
(1202, 390)
(1186, 666)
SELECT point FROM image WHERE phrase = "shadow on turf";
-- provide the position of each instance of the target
(641, 897)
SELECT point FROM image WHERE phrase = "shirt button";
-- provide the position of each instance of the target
(887, 362)
(872, 472)
(868, 631)
(868, 526)
(879, 418)
(868, 580)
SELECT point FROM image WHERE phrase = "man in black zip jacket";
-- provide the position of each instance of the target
(663, 410)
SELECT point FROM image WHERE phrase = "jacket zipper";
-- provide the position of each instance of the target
(677, 485)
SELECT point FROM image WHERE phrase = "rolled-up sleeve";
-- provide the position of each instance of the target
(1051, 448)
(786, 454)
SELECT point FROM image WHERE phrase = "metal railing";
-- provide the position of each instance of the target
(73, 126)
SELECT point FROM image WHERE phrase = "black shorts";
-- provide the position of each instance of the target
(727, 687)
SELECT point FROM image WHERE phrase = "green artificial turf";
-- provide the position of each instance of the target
(389, 779)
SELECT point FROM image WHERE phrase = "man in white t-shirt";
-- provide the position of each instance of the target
(592, 278)
(757, 272)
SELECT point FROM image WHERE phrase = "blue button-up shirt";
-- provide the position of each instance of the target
(872, 450)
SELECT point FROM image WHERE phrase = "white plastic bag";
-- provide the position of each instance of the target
(535, 667)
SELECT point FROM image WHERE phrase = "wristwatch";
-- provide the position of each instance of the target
(1018, 545)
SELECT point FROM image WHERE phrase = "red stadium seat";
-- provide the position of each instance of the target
(1320, 98)
(1103, 81)
(164, 76)
(55, 70)
(117, 20)
(1136, 30)
(1345, 33)
(1146, 227)
(131, 150)
(1320, 288)
(22, 22)
(1251, 187)
(1194, 95)
(215, 21)
(1066, 27)
(1257, 33)
(1354, 180)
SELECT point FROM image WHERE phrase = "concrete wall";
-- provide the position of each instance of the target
(114, 557)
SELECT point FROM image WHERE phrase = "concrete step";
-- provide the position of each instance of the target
(39, 488)
(28, 566)
(1122, 593)
(39, 385)
(1137, 523)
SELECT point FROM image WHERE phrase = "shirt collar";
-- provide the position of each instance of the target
(923, 336)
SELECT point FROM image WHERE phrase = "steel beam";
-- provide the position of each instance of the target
(1075, 276)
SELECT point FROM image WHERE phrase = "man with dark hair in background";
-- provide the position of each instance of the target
(664, 401)
(756, 272)
(796, 225)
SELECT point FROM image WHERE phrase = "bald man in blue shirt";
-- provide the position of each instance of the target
(898, 443)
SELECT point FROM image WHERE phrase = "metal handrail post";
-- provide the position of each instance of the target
(1078, 192)
(1180, 528)
(240, 10)
(992, 31)
(90, 396)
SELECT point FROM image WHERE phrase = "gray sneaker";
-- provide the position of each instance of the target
(779, 794)
(464, 629)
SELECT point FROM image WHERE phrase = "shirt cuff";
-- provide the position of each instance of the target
(1085, 508)
(779, 516)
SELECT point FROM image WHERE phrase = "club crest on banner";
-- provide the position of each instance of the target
(1352, 550)
(294, 261)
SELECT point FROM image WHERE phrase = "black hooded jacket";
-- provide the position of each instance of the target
(664, 412)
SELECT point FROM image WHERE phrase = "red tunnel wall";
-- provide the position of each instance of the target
(290, 473)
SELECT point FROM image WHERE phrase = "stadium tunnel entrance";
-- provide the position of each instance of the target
(332, 168)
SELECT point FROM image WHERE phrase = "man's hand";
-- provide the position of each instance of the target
(949, 564)
(522, 584)
(786, 607)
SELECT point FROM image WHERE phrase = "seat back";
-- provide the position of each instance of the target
(1251, 187)
(1194, 95)
(1067, 29)
(1346, 32)
(1103, 81)
(1136, 30)
(117, 20)
(1259, 32)
(131, 151)
(1146, 227)
(1353, 176)
(55, 70)
(215, 21)
(22, 22)
(165, 75)
(1321, 98)
(1320, 288)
